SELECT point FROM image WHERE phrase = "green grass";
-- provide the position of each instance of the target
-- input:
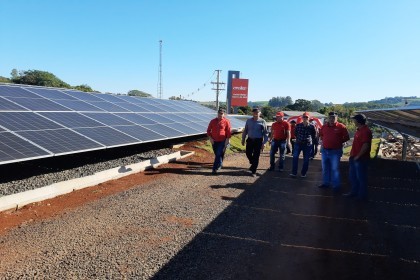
(235, 145)
(373, 150)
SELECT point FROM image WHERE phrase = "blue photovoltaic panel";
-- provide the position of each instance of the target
(6, 105)
(108, 119)
(17, 121)
(38, 104)
(184, 128)
(191, 117)
(139, 132)
(165, 130)
(13, 148)
(106, 106)
(83, 95)
(71, 119)
(176, 118)
(51, 93)
(136, 118)
(107, 136)
(61, 121)
(131, 107)
(158, 118)
(13, 91)
(109, 98)
(60, 141)
(78, 105)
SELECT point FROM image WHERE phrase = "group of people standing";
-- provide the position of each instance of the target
(300, 138)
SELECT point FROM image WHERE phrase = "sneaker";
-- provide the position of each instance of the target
(214, 172)
(254, 174)
(323, 186)
(336, 191)
(303, 176)
(281, 169)
(292, 175)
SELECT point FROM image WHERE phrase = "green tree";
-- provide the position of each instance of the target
(300, 105)
(4, 80)
(268, 112)
(316, 105)
(140, 93)
(84, 88)
(39, 78)
(14, 74)
(246, 110)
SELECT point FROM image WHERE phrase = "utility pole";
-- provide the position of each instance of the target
(159, 91)
(218, 88)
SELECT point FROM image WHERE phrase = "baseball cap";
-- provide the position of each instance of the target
(279, 114)
(221, 111)
(255, 110)
(332, 114)
(360, 118)
(306, 114)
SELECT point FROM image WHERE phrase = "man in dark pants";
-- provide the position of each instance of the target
(219, 133)
(256, 130)
(359, 158)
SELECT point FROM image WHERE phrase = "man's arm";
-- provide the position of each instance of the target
(209, 129)
(363, 150)
(244, 133)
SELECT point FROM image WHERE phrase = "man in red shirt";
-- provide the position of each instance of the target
(359, 158)
(219, 133)
(333, 135)
(279, 139)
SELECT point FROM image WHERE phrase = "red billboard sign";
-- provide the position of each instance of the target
(239, 92)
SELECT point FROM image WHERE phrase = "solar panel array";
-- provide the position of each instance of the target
(37, 122)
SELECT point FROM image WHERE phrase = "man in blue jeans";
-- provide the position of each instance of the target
(305, 133)
(219, 133)
(333, 135)
(279, 138)
(359, 158)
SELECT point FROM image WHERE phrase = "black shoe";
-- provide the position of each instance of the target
(214, 172)
(336, 191)
(292, 175)
(253, 174)
(271, 168)
(323, 186)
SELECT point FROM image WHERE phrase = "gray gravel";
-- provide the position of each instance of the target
(129, 235)
(54, 176)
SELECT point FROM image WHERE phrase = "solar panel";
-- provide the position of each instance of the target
(108, 119)
(136, 118)
(6, 105)
(18, 121)
(107, 136)
(71, 119)
(60, 141)
(52, 93)
(139, 132)
(13, 148)
(165, 130)
(38, 122)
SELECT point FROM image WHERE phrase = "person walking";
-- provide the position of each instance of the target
(256, 135)
(359, 158)
(305, 133)
(333, 135)
(219, 133)
(292, 137)
(279, 140)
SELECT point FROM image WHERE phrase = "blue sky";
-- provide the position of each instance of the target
(332, 51)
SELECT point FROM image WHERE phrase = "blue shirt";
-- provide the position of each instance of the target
(255, 129)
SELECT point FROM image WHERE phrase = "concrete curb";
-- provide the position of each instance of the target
(18, 200)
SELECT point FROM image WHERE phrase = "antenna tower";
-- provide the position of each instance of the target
(159, 90)
(218, 88)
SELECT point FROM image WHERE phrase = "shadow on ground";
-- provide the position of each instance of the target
(284, 228)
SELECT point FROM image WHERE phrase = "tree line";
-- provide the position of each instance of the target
(47, 79)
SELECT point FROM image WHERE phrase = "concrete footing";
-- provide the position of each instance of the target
(18, 200)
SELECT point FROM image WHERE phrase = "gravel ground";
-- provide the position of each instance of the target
(48, 175)
(130, 235)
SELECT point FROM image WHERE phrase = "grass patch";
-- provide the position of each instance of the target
(235, 145)
(373, 149)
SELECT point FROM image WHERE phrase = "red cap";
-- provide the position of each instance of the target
(306, 114)
(280, 114)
